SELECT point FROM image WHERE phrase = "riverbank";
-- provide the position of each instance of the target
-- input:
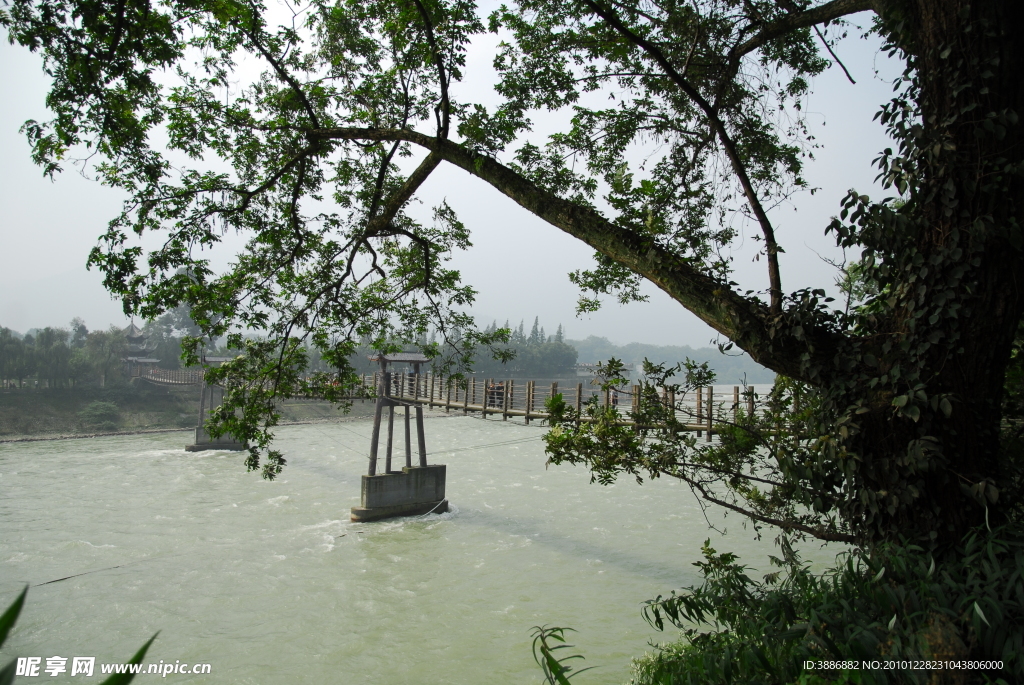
(29, 415)
(353, 416)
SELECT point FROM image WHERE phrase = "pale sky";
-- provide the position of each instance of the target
(518, 263)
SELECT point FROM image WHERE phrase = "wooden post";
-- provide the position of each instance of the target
(375, 438)
(408, 439)
(672, 406)
(635, 404)
(474, 391)
(554, 391)
(750, 402)
(735, 404)
(700, 413)
(430, 401)
(579, 402)
(506, 396)
(528, 402)
(711, 404)
(486, 397)
(465, 399)
(391, 438)
(448, 399)
(419, 423)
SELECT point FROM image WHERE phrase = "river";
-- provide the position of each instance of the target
(269, 582)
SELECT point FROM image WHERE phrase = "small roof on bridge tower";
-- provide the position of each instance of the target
(414, 357)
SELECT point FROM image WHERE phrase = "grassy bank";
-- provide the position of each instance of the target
(137, 406)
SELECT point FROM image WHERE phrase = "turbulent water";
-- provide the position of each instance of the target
(269, 582)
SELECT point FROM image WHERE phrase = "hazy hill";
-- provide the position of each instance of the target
(729, 368)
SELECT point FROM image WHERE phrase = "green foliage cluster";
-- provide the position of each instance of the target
(772, 466)
(512, 353)
(548, 643)
(900, 603)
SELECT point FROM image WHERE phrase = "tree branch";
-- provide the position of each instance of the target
(771, 246)
(442, 111)
(283, 73)
(744, 321)
(834, 55)
(402, 195)
(397, 201)
(817, 15)
(818, 533)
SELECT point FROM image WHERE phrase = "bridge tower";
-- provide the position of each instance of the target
(203, 440)
(413, 489)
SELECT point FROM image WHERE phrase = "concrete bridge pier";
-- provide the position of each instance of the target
(415, 489)
(203, 440)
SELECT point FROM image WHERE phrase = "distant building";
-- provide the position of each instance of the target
(138, 351)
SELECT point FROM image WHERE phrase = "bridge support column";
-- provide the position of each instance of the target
(414, 490)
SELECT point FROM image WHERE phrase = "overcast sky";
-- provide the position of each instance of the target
(518, 263)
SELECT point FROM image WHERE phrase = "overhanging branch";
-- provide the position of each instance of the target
(745, 321)
(817, 15)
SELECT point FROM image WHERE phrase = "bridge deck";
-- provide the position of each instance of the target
(697, 410)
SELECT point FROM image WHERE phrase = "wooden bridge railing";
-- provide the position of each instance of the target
(697, 410)
(172, 376)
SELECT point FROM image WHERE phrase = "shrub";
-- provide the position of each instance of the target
(899, 604)
(102, 415)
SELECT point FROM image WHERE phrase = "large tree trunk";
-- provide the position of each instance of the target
(957, 271)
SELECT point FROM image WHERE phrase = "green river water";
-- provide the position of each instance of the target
(269, 582)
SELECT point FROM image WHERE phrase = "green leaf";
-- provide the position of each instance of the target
(981, 614)
(946, 407)
(7, 621)
(125, 678)
(7, 673)
(10, 616)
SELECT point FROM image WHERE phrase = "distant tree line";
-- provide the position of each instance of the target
(63, 357)
(729, 368)
(60, 357)
(537, 354)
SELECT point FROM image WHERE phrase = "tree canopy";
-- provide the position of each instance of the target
(317, 157)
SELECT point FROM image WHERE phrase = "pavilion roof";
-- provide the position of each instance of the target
(401, 357)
